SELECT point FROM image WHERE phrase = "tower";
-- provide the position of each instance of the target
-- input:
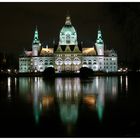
(68, 35)
(99, 43)
(36, 43)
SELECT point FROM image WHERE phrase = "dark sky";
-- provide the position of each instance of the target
(119, 22)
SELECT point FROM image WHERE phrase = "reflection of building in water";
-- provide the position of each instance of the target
(43, 97)
(96, 91)
(124, 83)
(11, 86)
(68, 91)
(38, 92)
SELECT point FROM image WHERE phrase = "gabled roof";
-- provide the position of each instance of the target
(59, 49)
(76, 49)
(67, 49)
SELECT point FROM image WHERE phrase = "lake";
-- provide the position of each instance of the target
(101, 106)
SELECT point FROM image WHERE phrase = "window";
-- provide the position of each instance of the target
(59, 61)
(67, 38)
(67, 61)
(89, 62)
(76, 61)
(51, 63)
(94, 63)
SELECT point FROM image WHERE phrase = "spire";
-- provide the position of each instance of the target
(99, 36)
(68, 20)
(36, 38)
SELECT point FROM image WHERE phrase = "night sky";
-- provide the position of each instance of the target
(119, 22)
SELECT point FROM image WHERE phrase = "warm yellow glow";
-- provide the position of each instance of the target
(88, 51)
(46, 51)
(47, 100)
(90, 100)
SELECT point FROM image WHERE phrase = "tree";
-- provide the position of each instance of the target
(49, 72)
(85, 72)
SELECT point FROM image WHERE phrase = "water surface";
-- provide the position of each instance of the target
(70, 107)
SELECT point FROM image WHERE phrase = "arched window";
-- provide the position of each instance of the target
(67, 61)
(76, 61)
(89, 62)
(59, 61)
(84, 62)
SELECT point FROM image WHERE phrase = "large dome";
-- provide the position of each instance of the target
(68, 35)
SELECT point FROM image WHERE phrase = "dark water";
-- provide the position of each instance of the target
(70, 107)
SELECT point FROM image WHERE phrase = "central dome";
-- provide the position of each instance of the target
(68, 35)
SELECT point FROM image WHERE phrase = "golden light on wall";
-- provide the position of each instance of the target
(46, 51)
(88, 51)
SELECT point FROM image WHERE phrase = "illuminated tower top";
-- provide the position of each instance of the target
(36, 45)
(99, 43)
(36, 38)
(68, 35)
(99, 39)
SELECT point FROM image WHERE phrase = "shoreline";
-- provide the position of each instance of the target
(67, 74)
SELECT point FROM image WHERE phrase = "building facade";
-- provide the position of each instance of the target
(68, 56)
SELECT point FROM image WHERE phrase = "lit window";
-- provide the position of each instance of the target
(68, 38)
(67, 61)
(113, 58)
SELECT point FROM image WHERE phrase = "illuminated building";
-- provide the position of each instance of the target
(68, 56)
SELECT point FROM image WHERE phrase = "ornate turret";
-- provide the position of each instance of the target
(36, 43)
(68, 35)
(36, 38)
(99, 43)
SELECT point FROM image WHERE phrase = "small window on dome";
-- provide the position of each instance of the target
(68, 38)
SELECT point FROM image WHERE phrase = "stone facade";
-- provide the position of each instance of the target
(68, 56)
